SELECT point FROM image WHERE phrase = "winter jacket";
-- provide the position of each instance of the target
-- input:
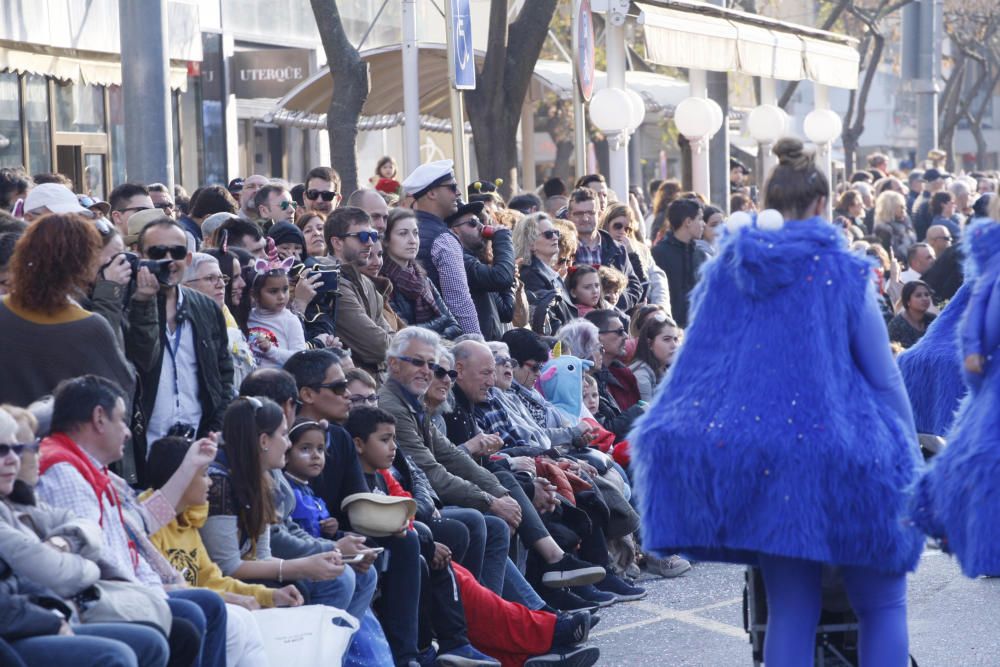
(445, 324)
(550, 301)
(492, 285)
(616, 255)
(215, 367)
(361, 324)
(680, 261)
(26, 609)
(288, 538)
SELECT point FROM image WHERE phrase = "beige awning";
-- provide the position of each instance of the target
(93, 71)
(697, 35)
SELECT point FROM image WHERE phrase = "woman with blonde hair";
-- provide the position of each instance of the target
(892, 222)
(620, 222)
(536, 251)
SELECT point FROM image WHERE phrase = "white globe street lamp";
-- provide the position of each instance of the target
(767, 123)
(823, 126)
(611, 110)
(693, 118)
(638, 109)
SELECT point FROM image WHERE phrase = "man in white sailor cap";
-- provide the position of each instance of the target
(435, 197)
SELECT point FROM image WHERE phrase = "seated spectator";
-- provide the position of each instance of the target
(658, 340)
(536, 247)
(44, 336)
(414, 299)
(583, 282)
(235, 300)
(911, 323)
(275, 332)
(618, 381)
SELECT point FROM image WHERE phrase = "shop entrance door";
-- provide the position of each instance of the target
(83, 157)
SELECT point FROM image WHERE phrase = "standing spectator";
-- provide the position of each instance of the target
(322, 193)
(943, 213)
(14, 185)
(45, 337)
(372, 203)
(919, 259)
(892, 223)
(274, 204)
(206, 202)
(712, 232)
(361, 323)
(311, 224)
(234, 293)
(126, 200)
(536, 246)
(247, 192)
(243, 234)
(622, 225)
(678, 255)
(414, 298)
(911, 323)
(667, 192)
(597, 246)
(490, 283)
(915, 187)
(435, 197)
(940, 239)
(659, 338)
(934, 181)
(189, 385)
(599, 186)
(163, 199)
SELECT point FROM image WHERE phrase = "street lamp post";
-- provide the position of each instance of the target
(698, 119)
(766, 124)
(822, 127)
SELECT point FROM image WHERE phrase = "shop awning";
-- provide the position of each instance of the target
(86, 70)
(697, 35)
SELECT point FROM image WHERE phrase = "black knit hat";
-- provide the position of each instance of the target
(286, 232)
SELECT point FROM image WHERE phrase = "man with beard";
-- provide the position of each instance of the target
(491, 285)
(435, 197)
(360, 323)
(322, 193)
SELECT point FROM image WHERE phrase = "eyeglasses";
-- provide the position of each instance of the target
(440, 372)
(326, 195)
(359, 399)
(134, 209)
(214, 280)
(533, 366)
(364, 237)
(284, 204)
(620, 331)
(19, 450)
(176, 252)
(947, 239)
(551, 234)
(563, 261)
(419, 363)
(503, 361)
(164, 205)
(473, 223)
(619, 226)
(339, 387)
(451, 186)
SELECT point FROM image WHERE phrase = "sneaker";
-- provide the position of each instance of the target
(571, 629)
(465, 656)
(580, 656)
(427, 657)
(565, 600)
(620, 588)
(571, 571)
(591, 594)
(632, 572)
(669, 567)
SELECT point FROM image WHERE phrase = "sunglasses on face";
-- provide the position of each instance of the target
(133, 209)
(358, 399)
(473, 223)
(451, 186)
(533, 366)
(284, 205)
(619, 226)
(440, 372)
(419, 363)
(503, 361)
(176, 252)
(19, 450)
(364, 237)
(326, 195)
(164, 205)
(339, 387)
(551, 234)
(620, 331)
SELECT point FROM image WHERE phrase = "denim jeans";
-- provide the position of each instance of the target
(517, 589)
(97, 645)
(207, 611)
(489, 541)
(351, 591)
(398, 607)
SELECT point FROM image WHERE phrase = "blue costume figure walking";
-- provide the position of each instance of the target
(782, 436)
(958, 500)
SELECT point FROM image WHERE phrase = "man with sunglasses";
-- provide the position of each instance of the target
(163, 200)
(126, 200)
(617, 387)
(360, 315)
(435, 197)
(322, 193)
(189, 381)
(491, 285)
(274, 204)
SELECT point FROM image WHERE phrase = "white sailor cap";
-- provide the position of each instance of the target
(426, 176)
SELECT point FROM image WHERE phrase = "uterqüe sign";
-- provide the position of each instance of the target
(268, 72)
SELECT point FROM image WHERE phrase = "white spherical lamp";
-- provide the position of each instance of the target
(737, 220)
(693, 118)
(717, 116)
(611, 110)
(822, 126)
(638, 109)
(767, 123)
(770, 219)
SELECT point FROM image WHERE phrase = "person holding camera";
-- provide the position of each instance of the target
(190, 382)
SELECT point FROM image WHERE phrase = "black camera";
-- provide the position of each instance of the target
(160, 268)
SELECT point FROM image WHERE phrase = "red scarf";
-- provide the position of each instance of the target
(395, 488)
(60, 448)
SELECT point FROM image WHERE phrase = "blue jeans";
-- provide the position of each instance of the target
(97, 645)
(517, 589)
(489, 542)
(351, 591)
(206, 610)
(794, 602)
(400, 602)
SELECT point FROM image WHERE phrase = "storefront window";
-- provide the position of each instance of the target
(117, 132)
(79, 107)
(36, 116)
(11, 146)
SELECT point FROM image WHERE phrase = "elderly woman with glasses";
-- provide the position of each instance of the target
(536, 249)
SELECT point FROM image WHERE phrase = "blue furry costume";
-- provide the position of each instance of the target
(958, 499)
(932, 369)
(766, 437)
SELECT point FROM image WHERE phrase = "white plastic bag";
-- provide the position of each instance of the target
(309, 636)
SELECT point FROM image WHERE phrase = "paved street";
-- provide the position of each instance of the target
(697, 620)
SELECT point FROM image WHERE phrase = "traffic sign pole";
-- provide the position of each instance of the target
(462, 75)
(583, 79)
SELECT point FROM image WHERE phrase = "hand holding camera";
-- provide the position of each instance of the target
(146, 285)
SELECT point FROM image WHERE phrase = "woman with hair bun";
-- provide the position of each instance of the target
(794, 449)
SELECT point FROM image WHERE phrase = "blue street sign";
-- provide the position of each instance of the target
(463, 73)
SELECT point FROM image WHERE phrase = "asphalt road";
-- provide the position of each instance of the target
(697, 620)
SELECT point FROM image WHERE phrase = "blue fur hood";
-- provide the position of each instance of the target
(765, 261)
(980, 243)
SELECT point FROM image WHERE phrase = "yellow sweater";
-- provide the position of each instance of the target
(180, 542)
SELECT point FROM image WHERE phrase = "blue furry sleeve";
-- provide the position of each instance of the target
(873, 356)
(981, 322)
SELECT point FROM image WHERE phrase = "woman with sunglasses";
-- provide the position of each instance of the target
(45, 334)
(621, 223)
(536, 249)
(414, 299)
